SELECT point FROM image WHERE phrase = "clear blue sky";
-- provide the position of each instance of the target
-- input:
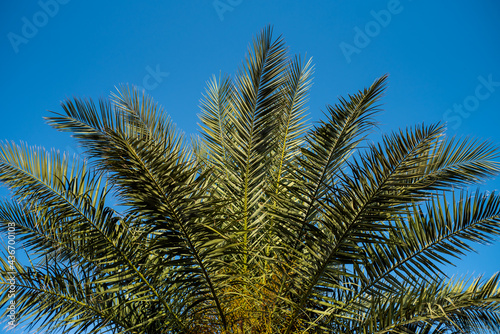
(440, 56)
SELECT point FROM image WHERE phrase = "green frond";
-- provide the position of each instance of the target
(421, 242)
(291, 126)
(455, 305)
(216, 126)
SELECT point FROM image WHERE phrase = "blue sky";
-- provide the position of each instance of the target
(442, 57)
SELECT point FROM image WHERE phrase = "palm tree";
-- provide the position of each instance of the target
(261, 225)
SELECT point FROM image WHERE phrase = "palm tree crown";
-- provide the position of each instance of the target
(260, 225)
